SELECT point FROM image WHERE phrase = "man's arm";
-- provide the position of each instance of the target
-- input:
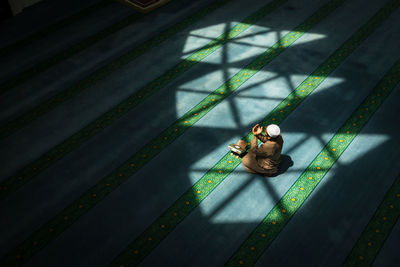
(262, 138)
(254, 148)
(257, 131)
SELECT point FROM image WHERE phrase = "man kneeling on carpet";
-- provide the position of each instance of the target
(264, 159)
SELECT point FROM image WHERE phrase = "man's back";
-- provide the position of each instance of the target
(271, 153)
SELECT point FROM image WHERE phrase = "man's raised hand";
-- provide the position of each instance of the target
(257, 129)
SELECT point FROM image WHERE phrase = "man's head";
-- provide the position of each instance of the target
(273, 131)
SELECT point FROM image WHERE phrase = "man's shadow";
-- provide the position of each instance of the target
(286, 163)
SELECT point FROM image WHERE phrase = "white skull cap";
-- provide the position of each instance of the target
(273, 130)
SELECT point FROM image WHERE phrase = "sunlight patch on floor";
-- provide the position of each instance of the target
(363, 144)
(248, 105)
(200, 37)
(202, 165)
(249, 212)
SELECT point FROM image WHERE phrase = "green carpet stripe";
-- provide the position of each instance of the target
(263, 235)
(377, 230)
(164, 224)
(31, 170)
(53, 28)
(89, 199)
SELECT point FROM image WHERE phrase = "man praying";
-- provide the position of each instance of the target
(264, 159)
